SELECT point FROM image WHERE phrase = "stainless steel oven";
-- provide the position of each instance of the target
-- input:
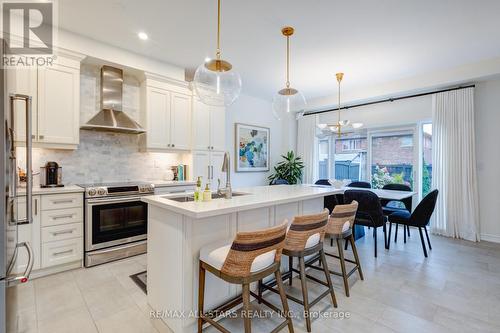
(115, 221)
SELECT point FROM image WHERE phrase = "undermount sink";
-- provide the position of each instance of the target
(186, 198)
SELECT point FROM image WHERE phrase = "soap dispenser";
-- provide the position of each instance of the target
(207, 194)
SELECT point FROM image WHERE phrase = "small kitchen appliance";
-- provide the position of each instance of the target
(50, 175)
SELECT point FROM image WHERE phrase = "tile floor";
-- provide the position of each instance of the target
(457, 289)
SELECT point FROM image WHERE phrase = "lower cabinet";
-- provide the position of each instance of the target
(56, 234)
(62, 252)
(208, 165)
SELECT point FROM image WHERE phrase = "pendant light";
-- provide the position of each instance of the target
(215, 81)
(337, 127)
(288, 99)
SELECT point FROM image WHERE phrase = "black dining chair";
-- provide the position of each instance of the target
(390, 206)
(360, 184)
(369, 212)
(330, 201)
(419, 218)
(279, 182)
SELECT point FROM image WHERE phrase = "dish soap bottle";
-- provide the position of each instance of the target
(198, 192)
(207, 194)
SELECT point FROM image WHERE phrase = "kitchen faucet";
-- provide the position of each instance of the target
(227, 191)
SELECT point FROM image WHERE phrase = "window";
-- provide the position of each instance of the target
(392, 158)
(350, 159)
(427, 159)
(323, 154)
(351, 144)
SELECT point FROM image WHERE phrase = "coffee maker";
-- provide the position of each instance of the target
(50, 175)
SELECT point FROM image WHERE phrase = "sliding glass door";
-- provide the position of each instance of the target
(350, 156)
(393, 157)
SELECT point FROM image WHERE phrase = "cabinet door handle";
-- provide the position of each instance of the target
(36, 206)
(173, 145)
(41, 137)
(57, 233)
(62, 252)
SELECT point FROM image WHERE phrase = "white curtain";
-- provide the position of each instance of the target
(307, 147)
(454, 165)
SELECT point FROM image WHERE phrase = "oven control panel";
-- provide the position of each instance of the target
(119, 190)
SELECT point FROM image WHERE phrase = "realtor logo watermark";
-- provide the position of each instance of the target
(29, 32)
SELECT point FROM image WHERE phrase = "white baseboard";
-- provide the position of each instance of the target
(490, 238)
(56, 269)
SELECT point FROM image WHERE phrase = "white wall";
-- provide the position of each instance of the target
(255, 111)
(487, 103)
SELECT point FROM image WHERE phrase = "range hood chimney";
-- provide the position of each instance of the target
(111, 117)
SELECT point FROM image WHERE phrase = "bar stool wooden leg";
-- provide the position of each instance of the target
(342, 266)
(303, 282)
(328, 278)
(290, 266)
(246, 308)
(356, 257)
(201, 296)
(284, 301)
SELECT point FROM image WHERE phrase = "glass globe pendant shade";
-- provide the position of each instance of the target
(216, 83)
(288, 100)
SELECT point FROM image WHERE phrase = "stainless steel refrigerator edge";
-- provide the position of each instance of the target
(9, 246)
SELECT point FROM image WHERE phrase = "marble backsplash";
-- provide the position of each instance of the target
(105, 156)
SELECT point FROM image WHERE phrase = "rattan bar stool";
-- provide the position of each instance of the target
(304, 238)
(339, 228)
(251, 257)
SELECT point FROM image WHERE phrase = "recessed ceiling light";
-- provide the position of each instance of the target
(142, 35)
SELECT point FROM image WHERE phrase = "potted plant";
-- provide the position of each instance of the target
(290, 169)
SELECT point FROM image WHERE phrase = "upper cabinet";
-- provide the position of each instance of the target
(209, 127)
(55, 93)
(166, 114)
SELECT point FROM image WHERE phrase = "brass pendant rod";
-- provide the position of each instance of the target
(218, 52)
(288, 61)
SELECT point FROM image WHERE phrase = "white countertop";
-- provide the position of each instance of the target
(51, 190)
(258, 196)
(167, 183)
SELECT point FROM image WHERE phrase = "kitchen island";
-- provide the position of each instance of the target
(178, 228)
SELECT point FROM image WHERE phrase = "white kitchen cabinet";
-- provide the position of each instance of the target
(208, 165)
(209, 127)
(28, 233)
(158, 118)
(59, 104)
(166, 114)
(216, 160)
(218, 128)
(180, 118)
(55, 93)
(56, 234)
(23, 81)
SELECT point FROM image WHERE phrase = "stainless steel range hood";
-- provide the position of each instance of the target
(111, 117)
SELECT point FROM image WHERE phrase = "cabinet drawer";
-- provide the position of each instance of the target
(61, 232)
(59, 201)
(62, 252)
(62, 216)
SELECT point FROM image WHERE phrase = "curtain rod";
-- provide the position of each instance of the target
(390, 99)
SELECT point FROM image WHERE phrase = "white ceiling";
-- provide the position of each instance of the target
(373, 42)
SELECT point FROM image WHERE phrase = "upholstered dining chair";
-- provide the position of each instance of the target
(369, 212)
(279, 182)
(360, 184)
(389, 207)
(419, 218)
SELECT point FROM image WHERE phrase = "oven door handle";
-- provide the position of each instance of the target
(114, 200)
